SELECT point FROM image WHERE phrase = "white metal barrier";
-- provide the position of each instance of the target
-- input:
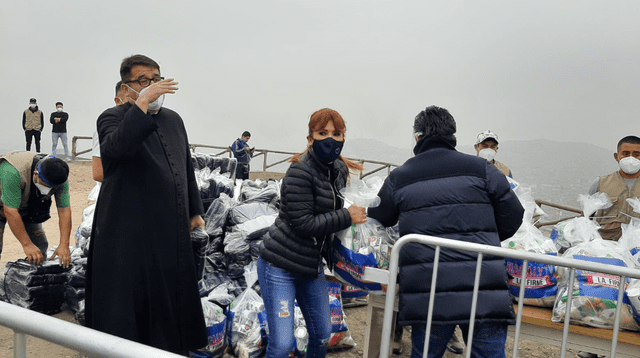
(24, 322)
(390, 277)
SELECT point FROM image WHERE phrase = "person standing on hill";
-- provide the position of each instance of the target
(619, 186)
(33, 123)
(486, 147)
(141, 279)
(27, 183)
(59, 120)
(444, 193)
(96, 162)
(243, 154)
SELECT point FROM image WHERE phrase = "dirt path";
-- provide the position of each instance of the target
(81, 183)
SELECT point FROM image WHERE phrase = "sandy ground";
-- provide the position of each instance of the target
(81, 183)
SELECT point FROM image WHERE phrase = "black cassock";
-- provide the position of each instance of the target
(141, 277)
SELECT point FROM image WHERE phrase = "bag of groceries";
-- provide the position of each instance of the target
(595, 294)
(574, 231)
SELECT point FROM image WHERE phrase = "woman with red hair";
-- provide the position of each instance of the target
(290, 264)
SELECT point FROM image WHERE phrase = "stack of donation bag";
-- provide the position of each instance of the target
(37, 287)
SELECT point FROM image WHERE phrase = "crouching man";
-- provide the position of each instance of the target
(28, 180)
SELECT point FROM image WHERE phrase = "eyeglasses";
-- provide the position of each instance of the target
(144, 82)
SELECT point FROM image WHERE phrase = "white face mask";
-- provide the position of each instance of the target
(44, 190)
(32, 105)
(487, 153)
(153, 106)
(59, 109)
(629, 165)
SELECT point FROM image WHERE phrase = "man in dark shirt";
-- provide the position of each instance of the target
(59, 120)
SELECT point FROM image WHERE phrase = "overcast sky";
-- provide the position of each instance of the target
(558, 70)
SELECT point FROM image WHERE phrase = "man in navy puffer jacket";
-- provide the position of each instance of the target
(444, 193)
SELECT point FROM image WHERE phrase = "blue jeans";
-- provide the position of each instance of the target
(279, 288)
(488, 339)
(63, 138)
(36, 234)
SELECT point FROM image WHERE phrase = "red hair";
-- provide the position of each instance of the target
(318, 121)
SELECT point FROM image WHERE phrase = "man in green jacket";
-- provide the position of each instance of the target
(27, 182)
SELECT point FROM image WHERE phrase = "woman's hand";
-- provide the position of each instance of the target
(357, 214)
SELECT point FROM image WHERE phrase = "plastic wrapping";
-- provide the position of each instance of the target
(216, 322)
(221, 296)
(248, 325)
(594, 294)
(254, 228)
(211, 184)
(211, 281)
(199, 242)
(244, 212)
(578, 230)
(541, 283)
(252, 191)
(633, 292)
(237, 253)
(224, 164)
(216, 217)
(39, 288)
(93, 194)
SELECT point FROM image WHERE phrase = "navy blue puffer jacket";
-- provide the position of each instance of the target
(444, 193)
(310, 210)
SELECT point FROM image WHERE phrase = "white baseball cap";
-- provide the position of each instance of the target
(486, 135)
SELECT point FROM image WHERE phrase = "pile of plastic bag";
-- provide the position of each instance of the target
(36, 287)
(213, 162)
(211, 183)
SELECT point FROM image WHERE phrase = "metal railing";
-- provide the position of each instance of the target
(258, 152)
(390, 277)
(287, 155)
(70, 335)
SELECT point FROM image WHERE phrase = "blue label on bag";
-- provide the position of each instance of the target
(601, 285)
(540, 280)
(350, 267)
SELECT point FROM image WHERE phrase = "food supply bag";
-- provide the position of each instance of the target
(248, 318)
(594, 294)
(541, 284)
(216, 323)
(361, 245)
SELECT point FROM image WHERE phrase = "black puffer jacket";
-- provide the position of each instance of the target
(310, 211)
(444, 193)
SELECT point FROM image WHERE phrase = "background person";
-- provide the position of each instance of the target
(32, 123)
(619, 186)
(487, 147)
(59, 120)
(444, 193)
(290, 264)
(243, 154)
(27, 182)
(96, 162)
(141, 277)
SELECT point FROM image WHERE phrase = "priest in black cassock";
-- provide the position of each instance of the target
(141, 276)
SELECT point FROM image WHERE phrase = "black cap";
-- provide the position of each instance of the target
(33, 100)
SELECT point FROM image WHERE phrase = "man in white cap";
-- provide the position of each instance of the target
(486, 147)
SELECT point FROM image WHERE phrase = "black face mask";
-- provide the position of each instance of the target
(327, 150)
